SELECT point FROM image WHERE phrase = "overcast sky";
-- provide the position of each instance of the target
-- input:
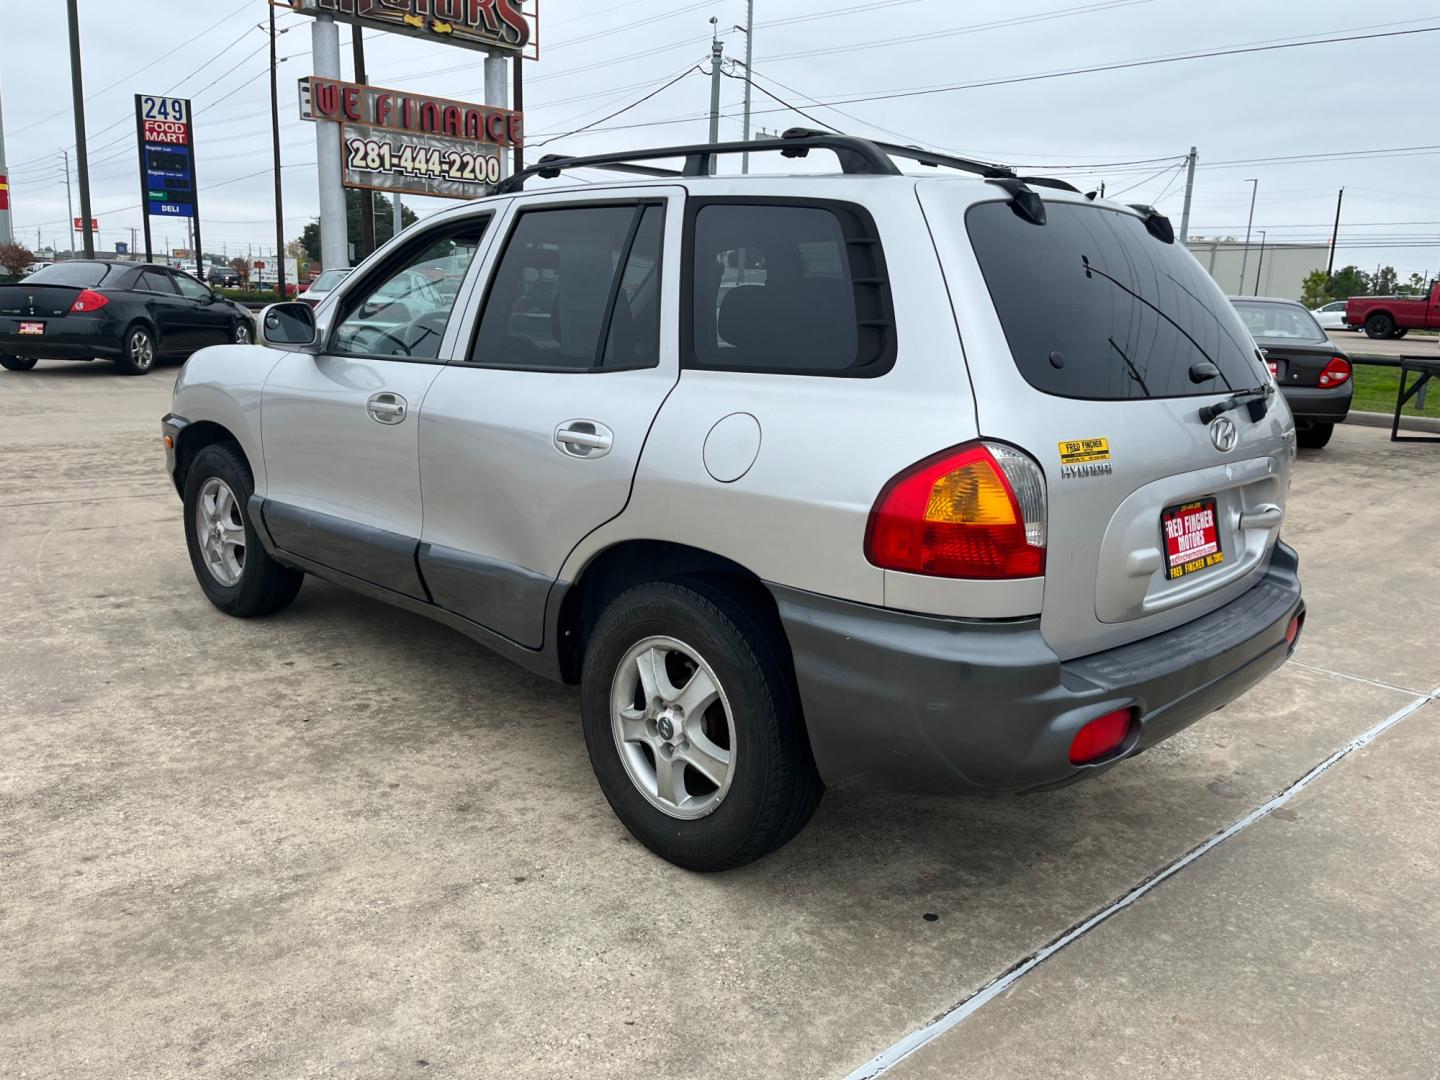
(1325, 99)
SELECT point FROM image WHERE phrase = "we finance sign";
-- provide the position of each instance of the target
(475, 24)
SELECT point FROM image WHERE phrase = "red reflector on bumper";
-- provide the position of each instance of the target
(1293, 630)
(1101, 736)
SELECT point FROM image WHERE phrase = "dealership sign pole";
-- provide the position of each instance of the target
(167, 165)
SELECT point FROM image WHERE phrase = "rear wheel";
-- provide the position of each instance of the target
(17, 363)
(138, 356)
(693, 725)
(1379, 325)
(242, 334)
(1315, 436)
(235, 572)
(1399, 333)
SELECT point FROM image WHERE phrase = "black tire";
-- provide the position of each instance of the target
(264, 586)
(1399, 333)
(1379, 325)
(17, 363)
(774, 787)
(1315, 436)
(139, 350)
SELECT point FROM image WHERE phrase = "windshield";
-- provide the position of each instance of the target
(1280, 322)
(328, 280)
(80, 275)
(1095, 307)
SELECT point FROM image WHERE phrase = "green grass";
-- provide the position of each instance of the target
(1375, 389)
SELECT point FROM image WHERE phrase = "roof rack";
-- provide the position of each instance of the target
(856, 156)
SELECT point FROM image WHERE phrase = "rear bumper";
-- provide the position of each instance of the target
(921, 703)
(1327, 406)
(64, 339)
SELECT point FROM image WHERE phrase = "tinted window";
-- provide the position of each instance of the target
(777, 288)
(191, 288)
(82, 275)
(1093, 306)
(1280, 322)
(401, 309)
(155, 281)
(550, 302)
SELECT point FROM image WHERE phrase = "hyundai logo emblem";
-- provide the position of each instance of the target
(1224, 435)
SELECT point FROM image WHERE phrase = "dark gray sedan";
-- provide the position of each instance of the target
(1311, 370)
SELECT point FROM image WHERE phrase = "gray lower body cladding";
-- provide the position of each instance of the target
(920, 703)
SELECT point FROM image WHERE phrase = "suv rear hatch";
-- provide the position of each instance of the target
(1094, 345)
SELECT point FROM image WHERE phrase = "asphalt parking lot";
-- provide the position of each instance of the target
(344, 841)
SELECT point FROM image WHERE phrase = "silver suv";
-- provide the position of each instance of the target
(965, 483)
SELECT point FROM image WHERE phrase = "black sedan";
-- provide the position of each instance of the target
(1311, 370)
(131, 313)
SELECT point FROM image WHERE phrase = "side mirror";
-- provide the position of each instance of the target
(288, 326)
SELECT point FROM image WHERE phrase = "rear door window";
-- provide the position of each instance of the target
(156, 281)
(1095, 307)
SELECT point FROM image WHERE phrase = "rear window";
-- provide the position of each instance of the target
(1095, 307)
(1280, 322)
(328, 280)
(82, 275)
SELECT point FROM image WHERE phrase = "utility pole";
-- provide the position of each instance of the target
(749, 53)
(518, 86)
(7, 234)
(399, 214)
(1189, 191)
(275, 150)
(69, 207)
(1260, 265)
(367, 198)
(1245, 257)
(334, 231)
(1334, 235)
(82, 157)
(717, 49)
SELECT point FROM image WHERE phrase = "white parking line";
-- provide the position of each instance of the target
(1356, 678)
(892, 1055)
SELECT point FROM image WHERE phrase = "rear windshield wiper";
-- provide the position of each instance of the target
(1258, 398)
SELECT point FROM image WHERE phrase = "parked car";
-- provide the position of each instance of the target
(323, 286)
(1331, 316)
(1312, 371)
(1394, 316)
(784, 532)
(130, 313)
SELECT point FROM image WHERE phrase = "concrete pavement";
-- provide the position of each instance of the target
(343, 841)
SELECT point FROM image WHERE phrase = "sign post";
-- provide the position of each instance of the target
(167, 165)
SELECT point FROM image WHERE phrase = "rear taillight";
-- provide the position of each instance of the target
(977, 511)
(1335, 372)
(1101, 737)
(89, 300)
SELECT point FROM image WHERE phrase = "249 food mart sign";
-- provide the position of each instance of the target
(413, 143)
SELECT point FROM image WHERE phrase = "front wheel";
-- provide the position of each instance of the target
(138, 355)
(1379, 326)
(17, 363)
(235, 572)
(1315, 436)
(242, 334)
(693, 725)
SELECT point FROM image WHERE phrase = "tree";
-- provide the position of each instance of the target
(241, 268)
(15, 259)
(1385, 281)
(1417, 285)
(1349, 281)
(1315, 290)
(384, 221)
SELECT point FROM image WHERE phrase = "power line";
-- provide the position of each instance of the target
(639, 101)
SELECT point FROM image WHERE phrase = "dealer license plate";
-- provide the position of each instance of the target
(32, 328)
(1192, 538)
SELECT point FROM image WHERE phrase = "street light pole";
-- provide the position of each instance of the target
(275, 150)
(82, 158)
(69, 209)
(1260, 265)
(1245, 258)
(717, 49)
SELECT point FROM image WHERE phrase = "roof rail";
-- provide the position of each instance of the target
(857, 156)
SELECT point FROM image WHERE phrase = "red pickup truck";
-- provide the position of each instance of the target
(1392, 316)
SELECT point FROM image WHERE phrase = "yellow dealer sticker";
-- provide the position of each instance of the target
(1078, 451)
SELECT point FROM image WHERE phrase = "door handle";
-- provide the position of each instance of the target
(584, 438)
(386, 408)
(1262, 517)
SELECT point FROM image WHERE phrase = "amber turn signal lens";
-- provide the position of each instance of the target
(169, 443)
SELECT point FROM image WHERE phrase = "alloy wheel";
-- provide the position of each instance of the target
(220, 532)
(242, 333)
(142, 350)
(673, 727)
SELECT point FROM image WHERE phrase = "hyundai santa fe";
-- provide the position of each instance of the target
(964, 482)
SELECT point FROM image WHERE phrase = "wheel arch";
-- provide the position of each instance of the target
(196, 437)
(627, 563)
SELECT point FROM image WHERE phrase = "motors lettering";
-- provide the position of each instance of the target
(470, 22)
